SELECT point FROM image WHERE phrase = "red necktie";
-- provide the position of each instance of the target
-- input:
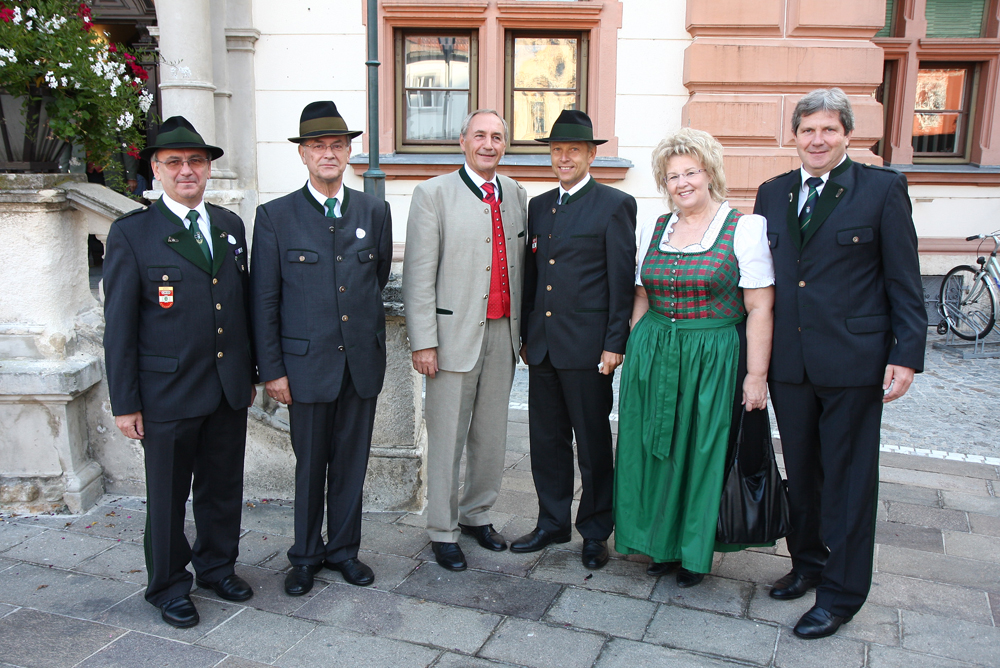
(498, 305)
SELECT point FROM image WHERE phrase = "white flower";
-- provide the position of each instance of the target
(64, 81)
(65, 66)
(31, 12)
(75, 162)
(125, 121)
(9, 55)
(145, 101)
(28, 25)
(17, 15)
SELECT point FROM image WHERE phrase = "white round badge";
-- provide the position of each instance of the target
(360, 233)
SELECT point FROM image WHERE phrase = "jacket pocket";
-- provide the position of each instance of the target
(590, 310)
(159, 274)
(857, 235)
(294, 346)
(302, 256)
(366, 255)
(868, 324)
(158, 363)
(443, 311)
(772, 240)
(520, 234)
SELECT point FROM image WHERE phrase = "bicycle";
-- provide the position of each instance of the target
(969, 296)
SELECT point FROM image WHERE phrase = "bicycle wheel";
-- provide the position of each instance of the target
(967, 303)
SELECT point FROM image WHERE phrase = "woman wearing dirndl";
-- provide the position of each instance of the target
(703, 270)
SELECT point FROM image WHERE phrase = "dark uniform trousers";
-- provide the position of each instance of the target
(210, 448)
(330, 441)
(562, 402)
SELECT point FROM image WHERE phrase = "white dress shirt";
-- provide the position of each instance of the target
(479, 181)
(321, 198)
(575, 189)
(804, 189)
(181, 211)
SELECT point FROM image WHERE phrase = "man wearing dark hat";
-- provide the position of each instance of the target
(462, 296)
(321, 257)
(578, 293)
(180, 372)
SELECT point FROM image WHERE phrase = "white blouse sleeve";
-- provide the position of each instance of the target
(644, 238)
(753, 254)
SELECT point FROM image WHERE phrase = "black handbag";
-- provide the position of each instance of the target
(754, 508)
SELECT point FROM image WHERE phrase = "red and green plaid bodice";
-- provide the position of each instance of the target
(694, 285)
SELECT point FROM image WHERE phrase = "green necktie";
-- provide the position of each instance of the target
(331, 208)
(198, 236)
(563, 198)
(806, 214)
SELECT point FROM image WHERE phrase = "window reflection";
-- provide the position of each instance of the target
(941, 110)
(545, 82)
(436, 86)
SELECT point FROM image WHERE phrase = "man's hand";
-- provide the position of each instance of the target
(896, 382)
(524, 353)
(278, 390)
(609, 362)
(253, 394)
(426, 361)
(131, 425)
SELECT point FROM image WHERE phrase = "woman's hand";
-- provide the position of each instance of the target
(754, 392)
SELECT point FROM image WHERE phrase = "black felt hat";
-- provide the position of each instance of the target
(321, 119)
(177, 132)
(572, 125)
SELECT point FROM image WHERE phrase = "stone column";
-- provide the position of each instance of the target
(749, 64)
(240, 39)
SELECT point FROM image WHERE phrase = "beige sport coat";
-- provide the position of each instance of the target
(446, 266)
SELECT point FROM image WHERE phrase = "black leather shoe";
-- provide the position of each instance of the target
(179, 613)
(449, 556)
(595, 553)
(792, 586)
(354, 571)
(299, 580)
(486, 536)
(658, 568)
(819, 623)
(232, 587)
(686, 578)
(538, 539)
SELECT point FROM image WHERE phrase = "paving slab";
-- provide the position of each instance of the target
(449, 660)
(890, 491)
(952, 638)
(269, 590)
(354, 650)
(418, 520)
(891, 657)
(908, 535)
(258, 548)
(972, 546)
(239, 662)
(714, 594)
(112, 522)
(750, 566)
(896, 591)
(136, 650)
(61, 592)
(620, 653)
(700, 631)
(124, 561)
(506, 562)
(44, 521)
(490, 592)
(384, 516)
(520, 481)
(540, 645)
(257, 635)
(786, 613)
(273, 517)
(618, 576)
(925, 516)
(523, 504)
(34, 638)
(401, 617)
(598, 611)
(7, 609)
(984, 524)
(398, 539)
(12, 534)
(61, 549)
(390, 570)
(940, 481)
(136, 614)
(935, 465)
(793, 652)
(973, 503)
(975, 574)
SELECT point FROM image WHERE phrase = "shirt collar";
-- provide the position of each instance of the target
(826, 177)
(478, 180)
(575, 189)
(181, 211)
(321, 198)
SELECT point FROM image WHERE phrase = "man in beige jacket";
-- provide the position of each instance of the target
(462, 277)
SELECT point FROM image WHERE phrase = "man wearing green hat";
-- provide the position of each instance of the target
(578, 294)
(321, 257)
(180, 372)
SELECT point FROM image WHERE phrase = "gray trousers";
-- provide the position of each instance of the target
(468, 411)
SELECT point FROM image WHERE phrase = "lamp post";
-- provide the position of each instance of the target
(374, 176)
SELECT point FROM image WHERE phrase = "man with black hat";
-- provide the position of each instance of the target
(321, 257)
(180, 372)
(578, 293)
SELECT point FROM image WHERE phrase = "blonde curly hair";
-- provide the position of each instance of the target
(701, 146)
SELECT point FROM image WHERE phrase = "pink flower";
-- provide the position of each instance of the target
(112, 48)
(6, 15)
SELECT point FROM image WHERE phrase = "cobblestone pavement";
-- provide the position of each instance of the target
(71, 593)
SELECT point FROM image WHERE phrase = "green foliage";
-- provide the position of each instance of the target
(93, 91)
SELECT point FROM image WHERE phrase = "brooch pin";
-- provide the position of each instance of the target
(171, 240)
(839, 193)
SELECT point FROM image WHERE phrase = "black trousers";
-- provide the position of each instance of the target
(331, 441)
(210, 449)
(830, 441)
(562, 402)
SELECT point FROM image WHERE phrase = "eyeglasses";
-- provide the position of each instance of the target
(688, 175)
(173, 164)
(321, 149)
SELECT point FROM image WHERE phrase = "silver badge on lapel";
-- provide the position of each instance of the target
(839, 193)
(360, 233)
(171, 240)
(232, 240)
(789, 197)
